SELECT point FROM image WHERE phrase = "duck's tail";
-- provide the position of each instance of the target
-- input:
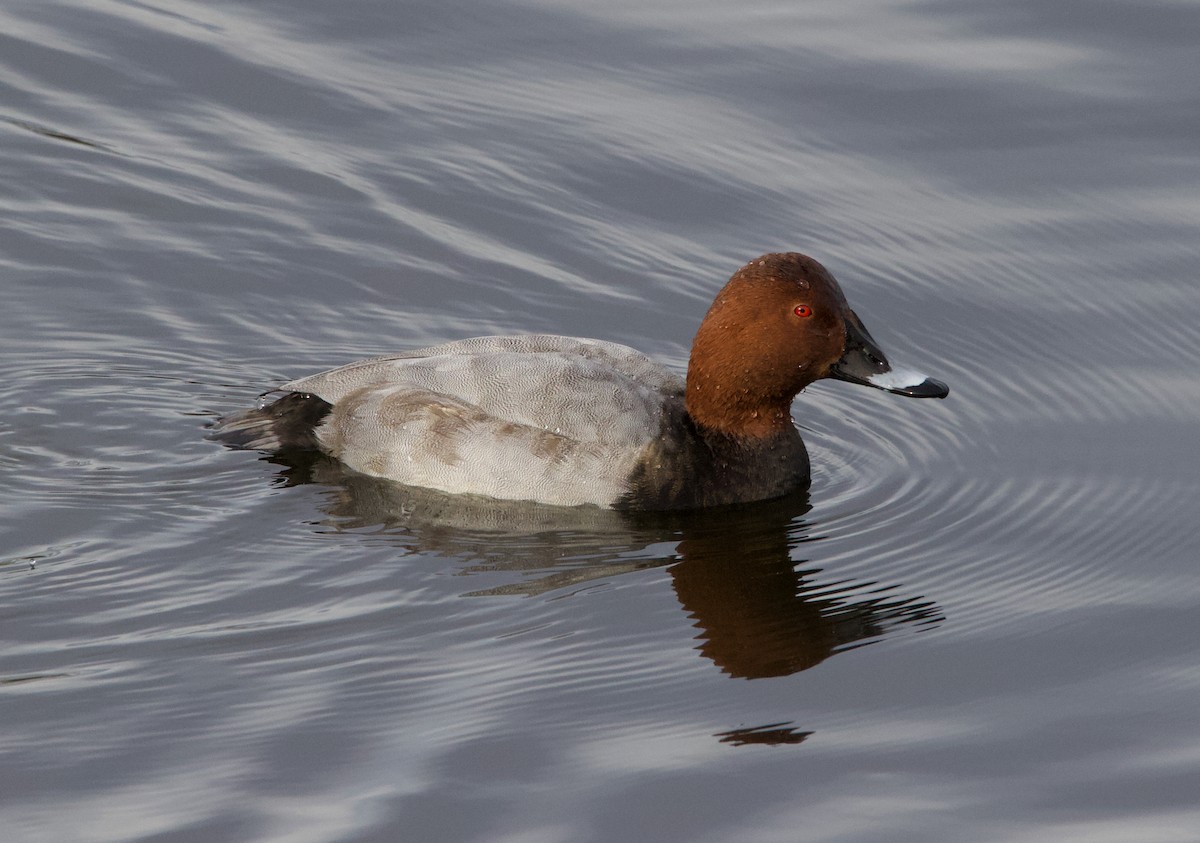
(286, 424)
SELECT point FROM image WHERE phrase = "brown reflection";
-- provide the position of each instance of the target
(773, 734)
(758, 615)
(758, 612)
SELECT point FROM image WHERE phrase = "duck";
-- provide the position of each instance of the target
(571, 421)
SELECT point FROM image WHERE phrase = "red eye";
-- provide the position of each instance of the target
(803, 311)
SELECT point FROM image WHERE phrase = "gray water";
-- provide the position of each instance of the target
(980, 625)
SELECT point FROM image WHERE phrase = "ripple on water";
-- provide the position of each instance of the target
(1026, 537)
(202, 642)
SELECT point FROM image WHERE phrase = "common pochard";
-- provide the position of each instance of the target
(571, 421)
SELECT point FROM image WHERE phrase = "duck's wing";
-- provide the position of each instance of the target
(423, 438)
(621, 358)
(544, 418)
(584, 390)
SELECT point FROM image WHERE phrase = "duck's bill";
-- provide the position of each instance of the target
(864, 363)
(906, 382)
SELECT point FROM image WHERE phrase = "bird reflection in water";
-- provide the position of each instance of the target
(760, 613)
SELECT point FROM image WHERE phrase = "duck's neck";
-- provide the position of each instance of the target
(722, 404)
(741, 421)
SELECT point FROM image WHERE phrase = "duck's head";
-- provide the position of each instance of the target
(781, 323)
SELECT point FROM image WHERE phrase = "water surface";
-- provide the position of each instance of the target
(981, 623)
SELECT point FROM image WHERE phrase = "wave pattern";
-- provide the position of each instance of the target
(977, 603)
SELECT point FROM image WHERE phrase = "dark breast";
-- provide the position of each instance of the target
(703, 468)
